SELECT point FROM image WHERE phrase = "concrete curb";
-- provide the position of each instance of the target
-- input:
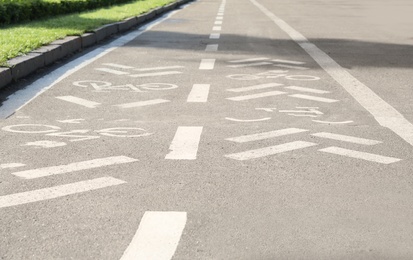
(23, 66)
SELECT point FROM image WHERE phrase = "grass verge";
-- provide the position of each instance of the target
(23, 38)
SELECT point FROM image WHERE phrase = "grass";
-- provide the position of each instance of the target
(20, 39)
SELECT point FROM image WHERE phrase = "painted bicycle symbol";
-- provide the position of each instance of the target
(273, 74)
(104, 86)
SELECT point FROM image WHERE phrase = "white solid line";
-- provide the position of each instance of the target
(262, 152)
(259, 95)
(118, 66)
(112, 71)
(360, 155)
(248, 60)
(154, 74)
(216, 28)
(310, 90)
(289, 61)
(160, 68)
(73, 167)
(143, 103)
(218, 22)
(261, 86)
(266, 135)
(185, 144)
(385, 114)
(211, 47)
(157, 237)
(214, 36)
(57, 191)
(199, 93)
(250, 64)
(11, 165)
(79, 101)
(207, 64)
(291, 67)
(346, 138)
(320, 99)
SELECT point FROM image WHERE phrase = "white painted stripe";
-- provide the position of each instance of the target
(214, 36)
(248, 120)
(267, 151)
(207, 64)
(266, 135)
(248, 60)
(73, 167)
(255, 64)
(254, 96)
(185, 144)
(216, 28)
(79, 101)
(143, 103)
(219, 18)
(360, 155)
(220, 13)
(291, 67)
(117, 66)
(11, 165)
(57, 191)
(310, 90)
(112, 71)
(160, 68)
(385, 114)
(261, 86)
(289, 62)
(157, 237)
(320, 99)
(155, 74)
(199, 93)
(218, 22)
(211, 47)
(346, 138)
(333, 123)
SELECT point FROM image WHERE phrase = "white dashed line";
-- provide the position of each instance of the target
(199, 93)
(214, 36)
(79, 101)
(211, 47)
(207, 64)
(185, 144)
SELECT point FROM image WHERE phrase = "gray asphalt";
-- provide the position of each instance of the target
(301, 204)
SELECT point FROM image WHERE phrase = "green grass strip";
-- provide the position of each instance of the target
(23, 38)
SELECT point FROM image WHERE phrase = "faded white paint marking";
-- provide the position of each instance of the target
(119, 66)
(199, 93)
(255, 64)
(214, 36)
(291, 67)
(157, 237)
(261, 86)
(289, 62)
(211, 47)
(218, 22)
(266, 135)
(79, 101)
(207, 64)
(248, 120)
(217, 28)
(143, 103)
(71, 121)
(219, 18)
(333, 123)
(267, 151)
(185, 144)
(57, 191)
(320, 99)
(346, 138)
(112, 71)
(385, 114)
(248, 60)
(46, 144)
(73, 167)
(360, 155)
(154, 74)
(254, 96)
(310, 90)
(11, 165)
(160, 68)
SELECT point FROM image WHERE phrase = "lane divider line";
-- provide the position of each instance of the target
(207, 64)
(185, 144)
(199, 93)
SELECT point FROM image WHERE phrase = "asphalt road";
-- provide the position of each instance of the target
(237, 129)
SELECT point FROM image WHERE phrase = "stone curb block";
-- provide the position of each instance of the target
(51, 53)
(127, 24)
(88, 39)
(25, 65)
(70, 44)
(5, 77)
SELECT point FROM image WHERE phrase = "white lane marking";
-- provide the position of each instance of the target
(309, 111)
(385, 114)
(160, 68)
(79, 101)
(219, 18)
(164, 73)
(248, 60)
(23, 97)
(207, 64)
(261, 86)
(112, 71)
(360, 155)
(346, 138)
(46, 144)
(220, 13)
(157, 237)
(248, 120)
(254, 96)
(266, 135)
(255, 64)
(291, 67)
(289, 62)
(310, 90)
(211, 47)
(217, 28)
(57, 191)
(333, 123)
(267, 151)
(214, 36)
(73, 167)
(119, 66)
(185, 144)
(320, 99)
(143, 103)
(199, 93)
(11, 165)
(218, 22)
(71, 121)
